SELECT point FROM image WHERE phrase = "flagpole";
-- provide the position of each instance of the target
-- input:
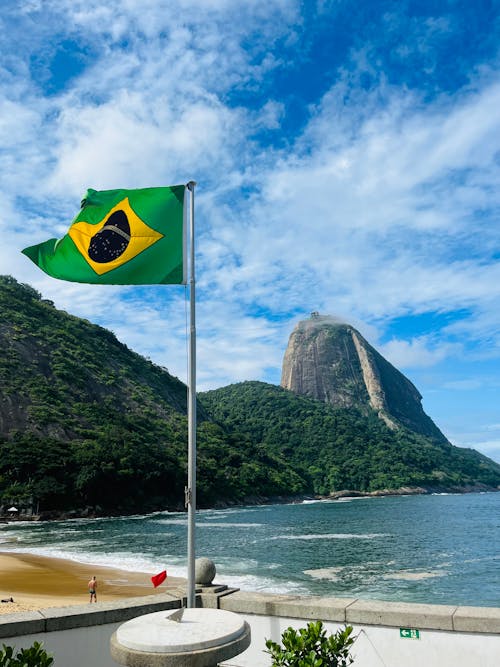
(191, 486)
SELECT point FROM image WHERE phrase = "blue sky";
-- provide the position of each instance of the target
(347, 157)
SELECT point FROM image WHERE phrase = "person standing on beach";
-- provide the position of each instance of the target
(93, 589)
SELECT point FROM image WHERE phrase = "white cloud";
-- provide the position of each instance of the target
(118, 143)
(365, 219)
(490, 448)
(492, 427)
(419, 352)
(383, 204)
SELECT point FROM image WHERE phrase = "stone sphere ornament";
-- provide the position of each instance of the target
(204, 571)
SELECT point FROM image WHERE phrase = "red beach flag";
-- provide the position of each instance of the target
(157, 579)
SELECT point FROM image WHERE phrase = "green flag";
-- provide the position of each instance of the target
(120, 237)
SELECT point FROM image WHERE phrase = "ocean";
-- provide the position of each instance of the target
(441, 549)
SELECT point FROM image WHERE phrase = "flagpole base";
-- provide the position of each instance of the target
(200, 638)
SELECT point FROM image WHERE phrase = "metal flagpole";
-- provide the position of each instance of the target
(191, 486)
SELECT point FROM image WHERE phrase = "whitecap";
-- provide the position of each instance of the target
(329, 573)
(312, 501)
(330, 536)
(409, 575)
(255, 583)
(229, 525)
(172, 522)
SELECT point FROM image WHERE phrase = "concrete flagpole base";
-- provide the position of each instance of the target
(195, 638)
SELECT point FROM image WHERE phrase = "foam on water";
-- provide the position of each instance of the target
(329, 536)
(217, 524)
(414, 576)
(262, 583)
(330, 573)
(229, 511)
(231, 565)
(313, 501)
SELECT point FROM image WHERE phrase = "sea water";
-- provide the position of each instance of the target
(442, 549)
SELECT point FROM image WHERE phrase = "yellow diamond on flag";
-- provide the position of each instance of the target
(119, 237)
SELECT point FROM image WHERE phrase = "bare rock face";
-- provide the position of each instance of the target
(331, 361)
(321, 361)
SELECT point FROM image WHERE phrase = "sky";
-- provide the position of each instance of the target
(347, 160)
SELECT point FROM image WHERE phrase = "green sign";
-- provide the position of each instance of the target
(409, 633)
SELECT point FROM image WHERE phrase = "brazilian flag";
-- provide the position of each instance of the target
(120, 237)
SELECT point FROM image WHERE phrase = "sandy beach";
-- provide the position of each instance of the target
(38, 582)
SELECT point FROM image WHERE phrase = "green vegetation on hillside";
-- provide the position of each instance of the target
(87, 423)
(335, 449)
(90, 426)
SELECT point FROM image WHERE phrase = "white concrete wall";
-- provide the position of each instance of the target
(377, 646)
(374, 646)
(78, 636)
(449, 636)
(80, 647)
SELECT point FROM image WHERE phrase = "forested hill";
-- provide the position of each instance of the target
(335, 449)
(88, 425)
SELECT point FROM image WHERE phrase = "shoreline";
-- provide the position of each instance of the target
(261, 500)
(38, 582)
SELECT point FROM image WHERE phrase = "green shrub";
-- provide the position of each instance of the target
(310, 647)
(34, 656)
